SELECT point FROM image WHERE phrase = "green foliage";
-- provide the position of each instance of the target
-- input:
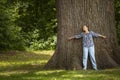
(10, 37)
(38, 22)
(43, 45)
(35, 43)
(27, 23)
(117, 17)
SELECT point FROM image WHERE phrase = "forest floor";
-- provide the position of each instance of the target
(16, 65)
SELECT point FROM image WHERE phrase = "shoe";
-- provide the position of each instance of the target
(95, 69)
(84, 69)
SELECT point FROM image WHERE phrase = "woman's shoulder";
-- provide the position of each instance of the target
(91, 31)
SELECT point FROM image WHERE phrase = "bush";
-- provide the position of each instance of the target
(49, 44)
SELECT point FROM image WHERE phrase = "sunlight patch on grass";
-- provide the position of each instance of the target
(50, 52)
(16, 63)
(48, 72)
(33, 78)
(9, 73)
(40, 78)
(76, 75)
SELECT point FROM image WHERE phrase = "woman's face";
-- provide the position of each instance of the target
(85, 28)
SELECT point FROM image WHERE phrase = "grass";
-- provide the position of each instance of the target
(16, 65)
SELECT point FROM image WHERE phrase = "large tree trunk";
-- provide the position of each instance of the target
(72, 15)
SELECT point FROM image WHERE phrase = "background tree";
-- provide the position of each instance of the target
(72, 15)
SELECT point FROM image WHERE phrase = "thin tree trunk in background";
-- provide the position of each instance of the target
(72, 16)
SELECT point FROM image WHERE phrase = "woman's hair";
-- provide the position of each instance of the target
(86, 26)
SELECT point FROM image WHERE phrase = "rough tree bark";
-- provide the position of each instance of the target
(72, 15)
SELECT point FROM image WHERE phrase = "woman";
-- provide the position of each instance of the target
(88, 46)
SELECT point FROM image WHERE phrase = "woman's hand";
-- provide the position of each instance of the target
(70, 38)
(102, 36)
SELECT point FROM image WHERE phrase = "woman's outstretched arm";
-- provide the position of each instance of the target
(97, 35)
(102, 36)
(76, 36)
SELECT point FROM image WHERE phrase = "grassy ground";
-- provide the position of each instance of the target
(15, 65)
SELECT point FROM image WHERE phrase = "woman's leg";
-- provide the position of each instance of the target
(85, 57)
(92, 57)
